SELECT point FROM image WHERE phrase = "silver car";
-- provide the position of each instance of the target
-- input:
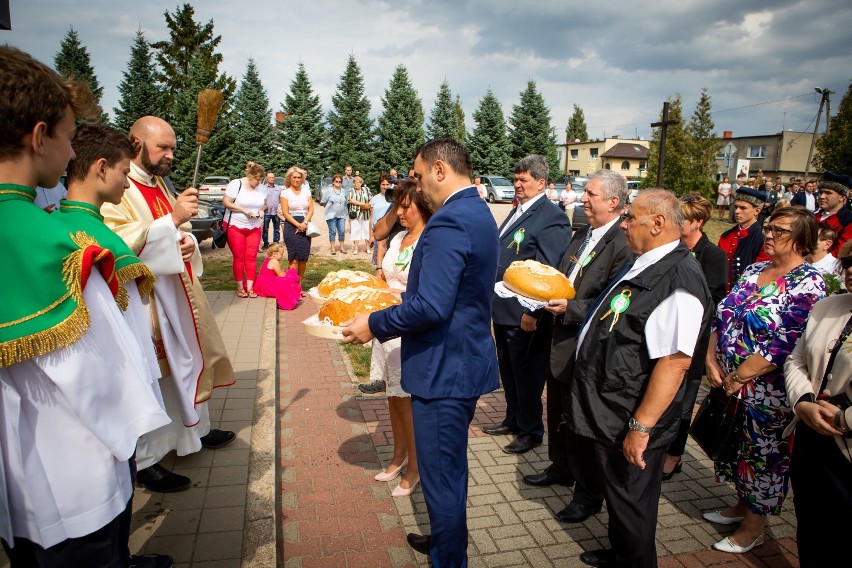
(212, 188)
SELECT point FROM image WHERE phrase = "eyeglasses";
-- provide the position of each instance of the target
(336, 181)
(778, 232)
(689, 198)
(846, 262)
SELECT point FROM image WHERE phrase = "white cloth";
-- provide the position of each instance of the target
(673, 326)
(810, 201)
(70, 422)
(247, 198)
(359, 229)
(50, 196)
(297, 205)
(597, 235)
(829, 265)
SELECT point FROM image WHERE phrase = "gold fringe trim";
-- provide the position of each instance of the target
(65, 333)
(142, 274)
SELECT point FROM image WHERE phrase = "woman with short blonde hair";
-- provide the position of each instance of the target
(245, 200)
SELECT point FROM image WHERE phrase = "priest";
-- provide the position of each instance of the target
(192, 356)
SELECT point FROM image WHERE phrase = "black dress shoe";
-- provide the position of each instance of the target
(677, 469)
(151, 561)
(603, 557)
(547, 478)
(522, 444)
(576, 512)
(217, 438)
(160, 480)
(372, 388)
(498, 430)
(420, 543)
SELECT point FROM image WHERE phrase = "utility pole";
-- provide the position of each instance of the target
(824, 97)
(665, 123)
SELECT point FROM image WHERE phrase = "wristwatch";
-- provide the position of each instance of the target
(634, 425)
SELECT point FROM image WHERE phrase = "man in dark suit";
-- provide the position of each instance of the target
(448, 355)
(594, 256)
(534, 230)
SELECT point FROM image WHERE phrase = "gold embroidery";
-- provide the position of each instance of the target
(160, 209)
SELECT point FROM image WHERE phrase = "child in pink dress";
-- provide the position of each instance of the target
(274, 282)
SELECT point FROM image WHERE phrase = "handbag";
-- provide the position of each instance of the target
(312, 230)
(716, 426)
(220, 235)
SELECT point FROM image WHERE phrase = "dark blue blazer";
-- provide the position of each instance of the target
(445, 316)
(546, 235)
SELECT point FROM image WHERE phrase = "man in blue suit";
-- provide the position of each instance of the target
(448, 354)
(534, 230)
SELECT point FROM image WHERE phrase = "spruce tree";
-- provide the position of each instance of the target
(674, 167)
(300, 138)
(700, 150)
(400, 126)
(461, 133)
(488, 144)
(217, 155)
(251, 121)
(174, 56)
(834, 150)
(350, 126)
(72, 60)
(530, 131)
(577, 129)
(139, 94)
(443, 121)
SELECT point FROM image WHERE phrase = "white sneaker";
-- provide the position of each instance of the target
(725, 545)
(720, 519)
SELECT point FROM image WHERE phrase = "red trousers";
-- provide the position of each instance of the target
(244, 244)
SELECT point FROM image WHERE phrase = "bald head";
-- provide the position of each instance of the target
(157, 143)
(654, 219)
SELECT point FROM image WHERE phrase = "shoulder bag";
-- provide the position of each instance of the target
(220, 235)
(716, 426)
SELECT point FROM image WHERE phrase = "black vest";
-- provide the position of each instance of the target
(613, 368)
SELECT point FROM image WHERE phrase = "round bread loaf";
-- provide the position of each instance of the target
(538, 281)
(345, 303)
(346, 279)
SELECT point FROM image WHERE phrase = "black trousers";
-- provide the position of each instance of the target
(557, 432)
(632, 498)
(822, 493)
(524, 361)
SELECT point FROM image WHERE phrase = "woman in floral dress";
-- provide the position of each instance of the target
(756, 327)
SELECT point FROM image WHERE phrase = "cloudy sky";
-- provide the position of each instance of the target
(618, 60)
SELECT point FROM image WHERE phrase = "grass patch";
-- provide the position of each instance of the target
(714, 229)
(218, 274)
(359, 357)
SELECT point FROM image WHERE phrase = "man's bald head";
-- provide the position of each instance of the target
(156, 139)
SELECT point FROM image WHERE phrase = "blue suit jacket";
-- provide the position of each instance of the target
(445, 316)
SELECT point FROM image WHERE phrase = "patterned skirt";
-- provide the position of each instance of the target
(298, 244)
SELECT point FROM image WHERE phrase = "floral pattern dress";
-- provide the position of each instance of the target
(766, 321)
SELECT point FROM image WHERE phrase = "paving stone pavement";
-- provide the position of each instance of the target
(332, 440)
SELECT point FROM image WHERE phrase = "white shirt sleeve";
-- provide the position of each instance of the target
(674, 325)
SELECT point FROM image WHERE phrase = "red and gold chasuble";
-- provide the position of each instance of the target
(159, 206)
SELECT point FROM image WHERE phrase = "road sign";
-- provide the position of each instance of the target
(730, 149)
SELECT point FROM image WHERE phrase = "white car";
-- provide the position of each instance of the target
(212, 188)
(633, 188)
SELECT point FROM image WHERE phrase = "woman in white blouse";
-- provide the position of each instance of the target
(245, 200)
(296, 211)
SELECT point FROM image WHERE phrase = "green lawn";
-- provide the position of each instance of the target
(218, 276)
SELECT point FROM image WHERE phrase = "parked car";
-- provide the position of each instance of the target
(633, 187)
(212, 188)
(208, 219)
(579, 220)
(498, 188)
(279, 181)
(323, 183)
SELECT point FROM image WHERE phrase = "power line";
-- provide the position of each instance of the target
(775, 102)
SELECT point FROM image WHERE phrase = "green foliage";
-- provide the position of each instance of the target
(350, 125)
(443, 121)
(530, 131)
(577, 129)
(400, 126)
(489, 144)
(175, 56)
(301, 136)
(700, 150)
(674, 166)
(72, 60)
(461, 133)
(834, 151)
(139, 94)
(251, 122)
(217, 156)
